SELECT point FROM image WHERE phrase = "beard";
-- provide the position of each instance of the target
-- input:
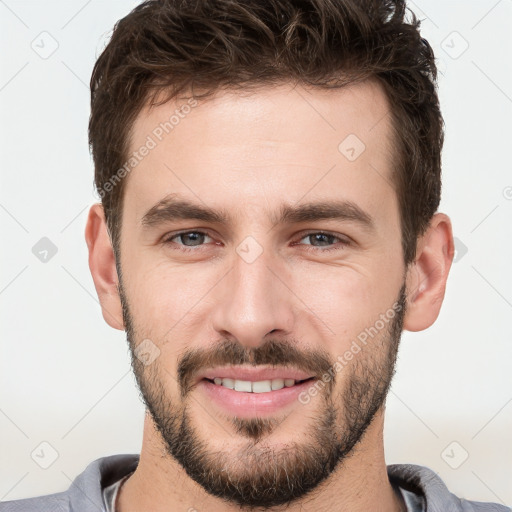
(259, 475)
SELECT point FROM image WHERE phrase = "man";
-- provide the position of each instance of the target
(270, 177)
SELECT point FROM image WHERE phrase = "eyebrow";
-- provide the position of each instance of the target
(172, 208)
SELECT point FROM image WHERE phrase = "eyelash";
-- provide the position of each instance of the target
(183, 248)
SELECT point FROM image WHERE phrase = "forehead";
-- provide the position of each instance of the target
(278, 143)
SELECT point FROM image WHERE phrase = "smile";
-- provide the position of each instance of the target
(261, 386)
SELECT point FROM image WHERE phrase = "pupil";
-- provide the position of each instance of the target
(323, 235)
(194, 236)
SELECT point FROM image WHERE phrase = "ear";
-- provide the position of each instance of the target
(427, 275)
(103, 266)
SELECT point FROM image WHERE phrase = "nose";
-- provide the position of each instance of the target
(254, 300)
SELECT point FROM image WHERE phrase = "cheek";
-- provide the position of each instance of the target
(348, 300)
(165, 298)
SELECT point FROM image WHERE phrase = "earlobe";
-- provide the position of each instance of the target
(427, 275)
(103, 266)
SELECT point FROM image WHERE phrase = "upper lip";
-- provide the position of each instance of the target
(253, 374)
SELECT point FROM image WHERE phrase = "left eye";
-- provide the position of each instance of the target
(322, 238)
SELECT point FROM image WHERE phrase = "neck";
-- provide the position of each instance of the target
(360, 483)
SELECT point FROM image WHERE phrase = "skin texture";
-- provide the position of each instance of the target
(248, 155)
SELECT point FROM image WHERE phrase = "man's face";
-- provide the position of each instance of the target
(272, 290)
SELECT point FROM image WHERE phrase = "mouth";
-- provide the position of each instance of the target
(260, 386)
(247, 392)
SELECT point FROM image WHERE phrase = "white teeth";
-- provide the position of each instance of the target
(228, 383)
(277, 384)
(262, 386)
(243, 385)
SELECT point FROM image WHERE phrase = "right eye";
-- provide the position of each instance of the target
(196, 239)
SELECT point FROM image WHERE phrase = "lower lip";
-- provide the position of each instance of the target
(247, 405)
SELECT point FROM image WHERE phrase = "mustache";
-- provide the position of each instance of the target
(231, 353)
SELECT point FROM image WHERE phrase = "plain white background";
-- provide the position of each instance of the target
(65, 375)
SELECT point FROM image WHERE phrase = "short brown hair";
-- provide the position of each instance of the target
(173, 46)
